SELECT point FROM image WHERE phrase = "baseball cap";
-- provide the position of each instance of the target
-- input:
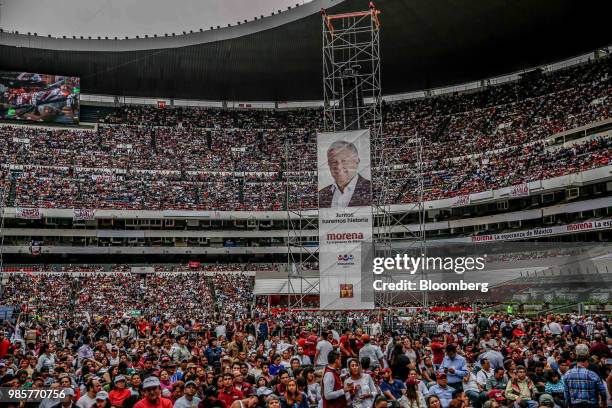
(547, 399)
(263, 392)
(386, 370)
(190, 383)
(487, 404)
(150, 382)
(68, 392)
(497, 395)
(119, 378)
(102, 395)
(440, 374)
(365, 337)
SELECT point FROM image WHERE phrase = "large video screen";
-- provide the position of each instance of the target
(39, 97)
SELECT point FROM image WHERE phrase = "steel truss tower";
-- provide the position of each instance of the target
(4, 195)
(302, 222)
(353, 100)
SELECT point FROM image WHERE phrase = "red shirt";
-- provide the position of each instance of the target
(229, 397)
(161, 403)
(346, 346)
(311, 345)
(4, 347)
(117, 396)
(438, 352)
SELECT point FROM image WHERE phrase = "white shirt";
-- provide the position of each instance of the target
(323, 347)
(86, 402)
(482, 376)
(555, 328)
(342, 199)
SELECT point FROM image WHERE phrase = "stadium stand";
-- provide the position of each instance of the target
(187, 158)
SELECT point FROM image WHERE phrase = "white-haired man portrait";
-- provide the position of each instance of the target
(349, 189)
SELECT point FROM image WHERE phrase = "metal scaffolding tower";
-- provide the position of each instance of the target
(302, 223)
(353, 100)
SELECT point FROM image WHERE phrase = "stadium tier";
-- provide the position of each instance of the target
(207, 159)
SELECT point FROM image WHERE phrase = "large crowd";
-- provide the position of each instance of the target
(167, 267)
(233, 359)
(99, 294)
(196, 158)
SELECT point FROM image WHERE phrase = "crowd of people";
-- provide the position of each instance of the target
(196, 158)
(168, 267)
(56, 296)
(317, 359)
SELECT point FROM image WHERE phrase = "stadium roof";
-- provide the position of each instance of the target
(424, 44)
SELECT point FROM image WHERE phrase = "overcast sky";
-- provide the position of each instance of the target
(129, 17)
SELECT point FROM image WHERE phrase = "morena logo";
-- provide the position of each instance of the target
(344, 236)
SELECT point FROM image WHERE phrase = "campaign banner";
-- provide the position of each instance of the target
(519, 190)
(541, 232)
(461, 201)
(28, 213)
(83, 214)
(345, 217)
(103, 178)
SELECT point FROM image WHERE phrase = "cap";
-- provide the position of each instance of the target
(191, 365)
(68, 392)
(547, 399)
(150, 382)
(441, 374)
(119, 378)
(365, 337)
(386, 370)
(263, 392)
(190, 383)
(497, 395)
(102, 395)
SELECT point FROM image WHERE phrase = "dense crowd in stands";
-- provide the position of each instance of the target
(239, 159)
(310, 359)
(194, 267)
(55, 295)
